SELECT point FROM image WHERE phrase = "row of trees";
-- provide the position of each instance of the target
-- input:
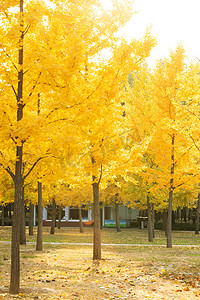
(57, 92)
(70, 118)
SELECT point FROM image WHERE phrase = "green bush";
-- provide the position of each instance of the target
(177, 226)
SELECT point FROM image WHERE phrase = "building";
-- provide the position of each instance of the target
(70, 216)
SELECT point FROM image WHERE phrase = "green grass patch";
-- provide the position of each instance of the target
(28, 256)
(108, 236)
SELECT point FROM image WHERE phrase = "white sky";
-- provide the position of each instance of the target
(172, 21)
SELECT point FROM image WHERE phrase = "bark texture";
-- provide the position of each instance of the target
(80, 220)
(2, 217)
(40, 219)
(97, 236)
(150, 221)
(59, 216)
(171, 189)
(22, 221)
(117, 217)
(15, 250)
(53, 217)
(31, 213)
(197, 216)
(164, 222)
(153, 220)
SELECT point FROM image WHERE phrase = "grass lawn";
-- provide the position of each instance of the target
(63, 271)
(108, 236)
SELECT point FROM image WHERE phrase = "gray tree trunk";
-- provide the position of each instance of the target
(22, 221)
(10, 211)
(173, 217)
(31, 212)
(15, 250)
(40, 219)
(2, 217)
(153, 220)
(59, 216)
(178, 213)
(96, 236)
(80, 220)
(164, 222)
(185, 214)
(169, 221)
(53, 217)
(169, 216)
(117, 217)
(150, 227)
(197, 216)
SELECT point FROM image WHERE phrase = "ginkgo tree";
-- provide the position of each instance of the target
(20, 26)
(139, 109)
(98, 114)
(189, 108)
(104, 134)
(16, 130)
(6, 194)
(173, 151)
(156, 120)
(47, 53)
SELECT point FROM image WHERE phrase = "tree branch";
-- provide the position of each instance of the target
(180, 184)
(14, 91)
(184, 154)
(33, 166)
(30, 67)
(194, 143)
(100, 174)
(27, 29)
(56, 108)
(8, 170)
(8, 57)
(34, 86)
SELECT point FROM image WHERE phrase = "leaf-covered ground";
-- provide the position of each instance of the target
(125, 272)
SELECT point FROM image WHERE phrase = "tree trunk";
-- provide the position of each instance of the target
(189, 214)
(157, 216)
(149, 214)
(164, 222)
(117, 217)
(97, 236)
(53, 217)
(59, 216)
(10, 210)
(153, 220)
(178, 213)
(6, 208)
(31, 211)
(22, 221)
(185, 214)
(169, 221)
(173, 217)
(2, 217)
(197, 216)
(40, 219)
(15, 250)
(169, 216)
(80, 219)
